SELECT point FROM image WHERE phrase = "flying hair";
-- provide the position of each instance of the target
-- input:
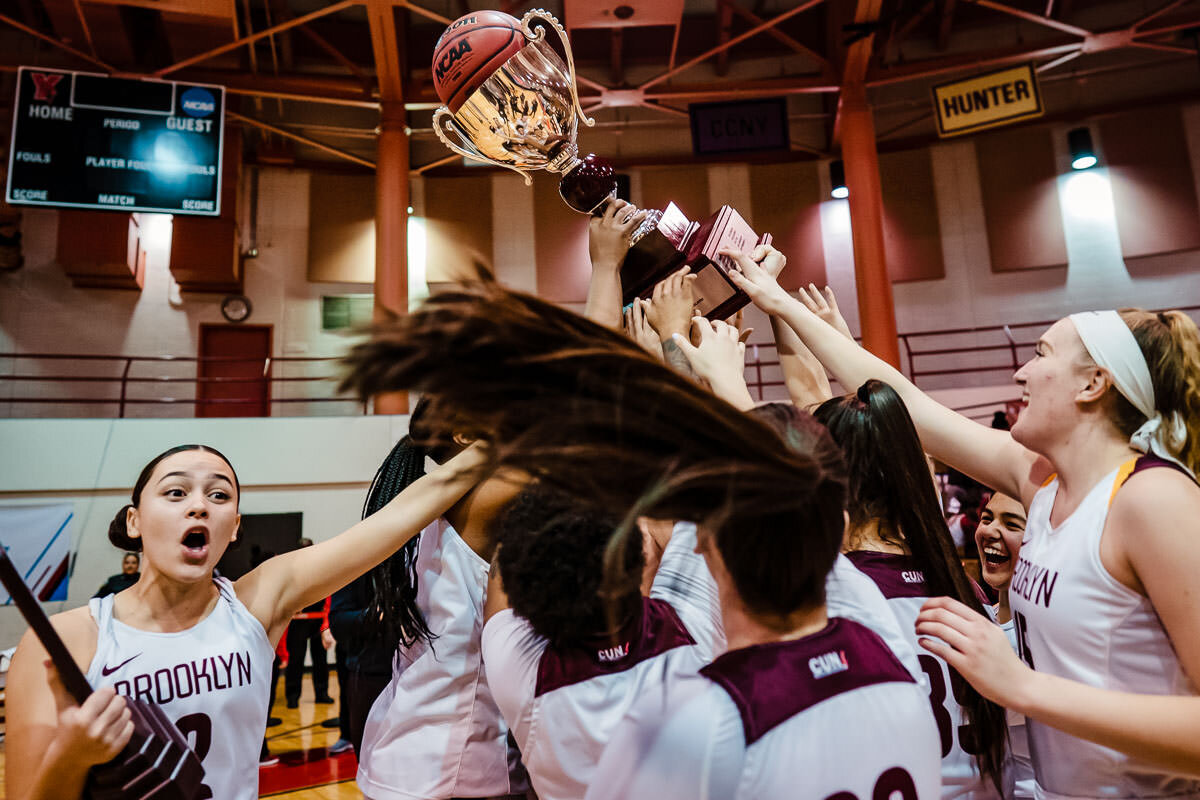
(586, 411)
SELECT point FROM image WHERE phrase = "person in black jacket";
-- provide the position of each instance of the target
(127, 577)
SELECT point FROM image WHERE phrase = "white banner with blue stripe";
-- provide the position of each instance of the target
(38, 540)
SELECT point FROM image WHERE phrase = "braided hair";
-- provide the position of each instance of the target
(393, 615)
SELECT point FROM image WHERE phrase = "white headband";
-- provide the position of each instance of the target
(1113, 347)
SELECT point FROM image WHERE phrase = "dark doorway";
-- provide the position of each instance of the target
(234, 371)
(262, 535)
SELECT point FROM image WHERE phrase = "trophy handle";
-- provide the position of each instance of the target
(537, 35)
(443, 122)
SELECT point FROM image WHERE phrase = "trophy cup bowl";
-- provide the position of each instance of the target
(523, 114)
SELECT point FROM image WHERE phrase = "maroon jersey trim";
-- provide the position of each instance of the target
(896, 575)
(658, 631)
(1150, 461)
(771, 683)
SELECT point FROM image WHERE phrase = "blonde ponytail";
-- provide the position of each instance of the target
(1170, 342)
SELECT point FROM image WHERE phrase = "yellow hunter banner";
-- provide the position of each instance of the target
(986, 101)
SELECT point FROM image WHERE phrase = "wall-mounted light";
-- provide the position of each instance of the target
(1079, 142)
(837, 179)
(410, 209)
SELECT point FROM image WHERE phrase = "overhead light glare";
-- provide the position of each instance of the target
(837, 179)
(1083, 154)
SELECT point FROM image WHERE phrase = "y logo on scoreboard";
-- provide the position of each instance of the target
(198, 102)
(45, 85)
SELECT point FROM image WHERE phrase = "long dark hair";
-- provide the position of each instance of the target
(393, 616)
(890, 485)
(583, 409)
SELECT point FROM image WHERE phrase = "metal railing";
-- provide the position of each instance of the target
(122, 383)
(926, 355)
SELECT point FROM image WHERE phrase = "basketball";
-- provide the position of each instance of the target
(470, 50)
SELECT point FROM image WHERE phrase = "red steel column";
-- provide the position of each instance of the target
(391, 231)
(876, 307)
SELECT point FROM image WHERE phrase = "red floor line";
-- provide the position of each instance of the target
(304, 769)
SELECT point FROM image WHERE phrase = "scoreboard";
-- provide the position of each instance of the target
(89, 141)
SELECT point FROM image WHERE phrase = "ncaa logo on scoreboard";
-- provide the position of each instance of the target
(198, 102)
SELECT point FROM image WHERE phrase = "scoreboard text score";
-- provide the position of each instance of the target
(89, 141)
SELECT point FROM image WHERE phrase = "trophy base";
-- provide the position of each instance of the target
(673, 241)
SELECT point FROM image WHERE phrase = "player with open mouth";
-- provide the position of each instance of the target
(197, 645)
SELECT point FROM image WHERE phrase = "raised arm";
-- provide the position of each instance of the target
(720, 360)
(989, 456)
(803, 376)
(1162, 730)
(640, 330)
(283, 585)
(670, 312)
(608, 242)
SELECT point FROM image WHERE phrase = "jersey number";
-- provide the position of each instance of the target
(890, 782)
(938, 674)
(1022, 629)
(201, 725)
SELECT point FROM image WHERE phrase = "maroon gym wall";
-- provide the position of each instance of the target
(1018, 181)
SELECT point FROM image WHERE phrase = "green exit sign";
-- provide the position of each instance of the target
(346, 311)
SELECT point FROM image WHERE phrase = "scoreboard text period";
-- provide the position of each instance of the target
(89, 141)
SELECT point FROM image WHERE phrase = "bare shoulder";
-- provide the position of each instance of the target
(1158, 495)
(1152, 523)
(78, 631)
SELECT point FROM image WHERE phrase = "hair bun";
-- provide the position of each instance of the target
(118, 531)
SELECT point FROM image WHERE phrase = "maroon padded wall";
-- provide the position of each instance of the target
(911, 231)
(560, 244)
(1019, 186)
(785, 201)
(1154, 192)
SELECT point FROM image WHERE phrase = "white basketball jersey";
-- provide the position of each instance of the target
(212, 680)
(852, 595)
(903, 584)
(435, 731)
(831, 716)
(1074, 620)
(564, 703)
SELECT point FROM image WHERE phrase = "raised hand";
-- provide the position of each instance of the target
(608, 234)
(769, 259)
(638, 329)
(672, 304)
(738, 321)
(720, 359)
(96, 731)
(825, 306)
(757, 282)
(974, 646)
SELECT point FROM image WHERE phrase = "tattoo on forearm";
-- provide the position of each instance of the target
(677, 361)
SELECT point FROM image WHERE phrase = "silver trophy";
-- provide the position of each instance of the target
(525, 116)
